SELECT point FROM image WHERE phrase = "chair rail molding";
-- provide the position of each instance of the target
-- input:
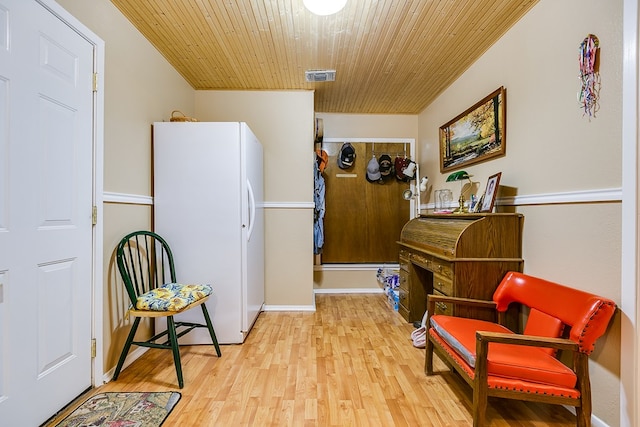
(606, 195)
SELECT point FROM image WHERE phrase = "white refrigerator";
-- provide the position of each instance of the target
(208, 205)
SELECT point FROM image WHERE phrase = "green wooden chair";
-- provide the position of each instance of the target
(146, 265)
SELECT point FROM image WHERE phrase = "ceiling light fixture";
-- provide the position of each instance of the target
(324, 7)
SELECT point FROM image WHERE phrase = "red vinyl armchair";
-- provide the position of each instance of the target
(498, 362)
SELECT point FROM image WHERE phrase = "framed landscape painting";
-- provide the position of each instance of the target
(476, 135)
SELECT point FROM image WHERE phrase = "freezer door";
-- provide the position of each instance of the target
(253, 263)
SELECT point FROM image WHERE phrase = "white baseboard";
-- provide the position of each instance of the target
(354, 267)
(595, 421)
(349, 291)
(131, 357)
(310, 308)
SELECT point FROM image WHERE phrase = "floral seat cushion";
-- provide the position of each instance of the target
(172, 297)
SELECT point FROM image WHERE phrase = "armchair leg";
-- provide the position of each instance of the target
(479, 407)
(583, 412)
(480, 383)
(173, 339)
(125, 349)
(582, 419)
(428, 356)
(205, 312)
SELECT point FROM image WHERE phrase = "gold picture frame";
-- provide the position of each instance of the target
(476, 135)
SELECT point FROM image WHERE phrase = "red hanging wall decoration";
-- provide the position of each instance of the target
(589, 76)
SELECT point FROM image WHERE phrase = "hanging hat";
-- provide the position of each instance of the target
(386, 166)
(347, 156)
(401, 164)
(373, 170)
(322, 158)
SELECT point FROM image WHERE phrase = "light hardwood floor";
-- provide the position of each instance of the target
(351, 363)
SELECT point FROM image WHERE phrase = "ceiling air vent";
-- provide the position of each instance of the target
(320, 75)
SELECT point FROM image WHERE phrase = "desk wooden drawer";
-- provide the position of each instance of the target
(404, 263)
(443, 284)
(434, 264)
(403, 299)
(442, 268)
(443, 307)
(404, 280)
(423, 260)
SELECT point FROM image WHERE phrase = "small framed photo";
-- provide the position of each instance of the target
(490, 193)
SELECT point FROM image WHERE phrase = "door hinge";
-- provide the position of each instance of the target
(93, 348)
(95, 82)
(94, 215)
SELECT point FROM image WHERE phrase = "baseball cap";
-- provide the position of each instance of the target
(401, 164)
(347, 156)
(386, 166)
(373, 170)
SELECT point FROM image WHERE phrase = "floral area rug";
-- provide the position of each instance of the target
(123, 410)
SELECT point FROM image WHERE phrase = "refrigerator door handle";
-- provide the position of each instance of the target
(252, 210)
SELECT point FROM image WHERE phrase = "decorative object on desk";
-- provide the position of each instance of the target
(460, 176)
(443, 199)
(490, 193)
(123, 409)
(475, 136)
(478, 204)
(473, 202)
(589, 76)
(179, 116)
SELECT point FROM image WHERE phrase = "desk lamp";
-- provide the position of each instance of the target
(460, 176)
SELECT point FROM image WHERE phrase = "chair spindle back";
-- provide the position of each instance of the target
(145, 262)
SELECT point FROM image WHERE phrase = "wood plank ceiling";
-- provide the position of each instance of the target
(390, 56)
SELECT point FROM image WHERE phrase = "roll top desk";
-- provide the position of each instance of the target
(461, 255)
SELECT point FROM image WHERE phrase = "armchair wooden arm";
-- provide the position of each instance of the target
(434, 300)
(461, 301)
(530, 340)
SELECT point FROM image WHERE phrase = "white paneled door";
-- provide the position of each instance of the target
(46, 184)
